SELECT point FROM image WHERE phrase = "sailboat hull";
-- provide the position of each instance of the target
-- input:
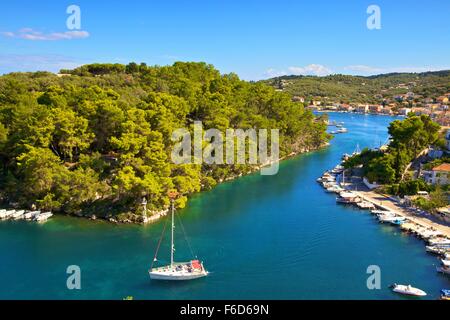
(178, 272)
(175, 277)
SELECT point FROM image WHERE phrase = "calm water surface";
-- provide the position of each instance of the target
(279, 237)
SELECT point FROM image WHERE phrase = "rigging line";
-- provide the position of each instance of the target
(159, 243)
(185, 237)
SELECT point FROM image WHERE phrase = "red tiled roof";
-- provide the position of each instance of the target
(442, 167)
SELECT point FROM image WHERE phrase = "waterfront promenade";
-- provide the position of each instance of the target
(388, 204)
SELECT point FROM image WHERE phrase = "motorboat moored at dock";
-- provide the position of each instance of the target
(31, 214)
(18, 215)
(335, 188)
(8, 214)
(391, 219)
(347, 197)
(43, 217)
(365, 205)
(439, 241)
(437, 250)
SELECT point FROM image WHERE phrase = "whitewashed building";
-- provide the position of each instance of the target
(438, 175)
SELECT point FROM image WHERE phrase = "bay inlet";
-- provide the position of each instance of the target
(261, 237)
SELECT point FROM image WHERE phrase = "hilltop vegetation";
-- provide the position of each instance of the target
(359, 89)
(97, 139)
(409, 137)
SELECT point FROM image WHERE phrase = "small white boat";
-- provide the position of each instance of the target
(18, 215)
(338, 169)
(326, 179)
(330, 184)
(439, 241)
(347, 197)
(335, 188)
(390, 218)
(43, 216)
(342, 130)
(430, 234)
(30, 215)
(8, 214)
(438, 250)
(365, 205)
(408, 290)
(378, 212)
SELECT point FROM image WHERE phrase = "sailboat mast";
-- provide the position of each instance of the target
(172, 248)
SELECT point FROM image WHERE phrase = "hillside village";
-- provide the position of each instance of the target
(388, 94)
(402, 104)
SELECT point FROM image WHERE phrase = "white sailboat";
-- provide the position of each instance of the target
(176, 270)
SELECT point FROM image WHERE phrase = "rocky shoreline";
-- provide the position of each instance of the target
(132, 218)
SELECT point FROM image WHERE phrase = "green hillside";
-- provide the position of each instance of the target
(97, 138)
(358, 89)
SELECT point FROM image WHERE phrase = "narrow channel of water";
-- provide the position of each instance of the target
(268, 237)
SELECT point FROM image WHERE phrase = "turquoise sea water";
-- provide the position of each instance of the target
(261, 237)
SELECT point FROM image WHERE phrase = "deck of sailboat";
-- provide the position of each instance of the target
(177, 271)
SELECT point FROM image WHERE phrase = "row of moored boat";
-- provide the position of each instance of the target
(333, 182)
(12, 214)
(339, 126)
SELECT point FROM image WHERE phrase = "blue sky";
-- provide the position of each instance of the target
(255, 39)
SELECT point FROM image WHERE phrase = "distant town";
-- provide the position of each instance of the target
(402, 105)
(387, 94)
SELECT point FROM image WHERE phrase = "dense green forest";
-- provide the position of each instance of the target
(359, 89)
(96, 139)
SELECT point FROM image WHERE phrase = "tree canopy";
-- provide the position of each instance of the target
(98, 136)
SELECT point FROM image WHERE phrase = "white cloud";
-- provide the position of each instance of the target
(30, 34)
(25, 63)
(311, 70)
(272, 73)
(7, 34)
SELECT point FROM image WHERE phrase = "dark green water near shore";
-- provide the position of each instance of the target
(268, 237)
